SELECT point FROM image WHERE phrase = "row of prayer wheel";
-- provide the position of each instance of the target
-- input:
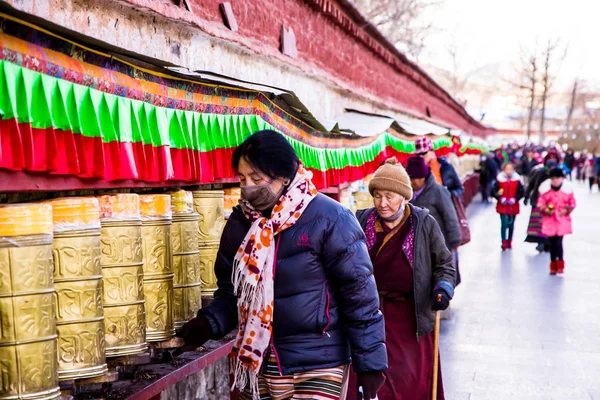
(82, 279)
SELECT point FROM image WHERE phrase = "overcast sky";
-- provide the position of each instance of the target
(491, 32)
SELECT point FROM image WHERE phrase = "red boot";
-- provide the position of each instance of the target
(504, 245)
(560, 266)
(509, 243)
(553, 267)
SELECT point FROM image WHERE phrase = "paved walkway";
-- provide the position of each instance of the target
(518, 333)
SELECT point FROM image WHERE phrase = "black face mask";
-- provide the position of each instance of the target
(556, 188)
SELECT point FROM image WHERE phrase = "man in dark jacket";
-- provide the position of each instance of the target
(569, 162)
(435, 198)
(527, 163)
(488, 174)
(450, 178)
(580, 164)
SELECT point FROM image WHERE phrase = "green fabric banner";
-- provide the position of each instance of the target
(45, 101)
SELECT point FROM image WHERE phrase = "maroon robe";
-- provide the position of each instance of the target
(409, 376)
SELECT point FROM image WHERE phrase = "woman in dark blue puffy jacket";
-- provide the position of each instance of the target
(294, 275)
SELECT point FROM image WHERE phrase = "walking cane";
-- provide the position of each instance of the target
(436, 352)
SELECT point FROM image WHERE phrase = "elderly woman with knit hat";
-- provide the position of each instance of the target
(415, 277)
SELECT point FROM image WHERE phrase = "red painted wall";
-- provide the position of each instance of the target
(338, 45)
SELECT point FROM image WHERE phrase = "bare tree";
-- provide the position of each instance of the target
(549, 57)
(458, 81)
(583, 119)
(572, 104)
(459, 78)
(528, 83)
(587, 100)
(537, 72)
(399, 21)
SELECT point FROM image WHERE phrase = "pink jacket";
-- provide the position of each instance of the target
(556, 224)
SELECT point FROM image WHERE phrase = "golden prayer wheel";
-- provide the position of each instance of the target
(78, 284)
(28, 349)
(158, 266)
(232, 198)
(363, 200)
(122, 263)
(210, 206)
(208, 257)
(186, 258)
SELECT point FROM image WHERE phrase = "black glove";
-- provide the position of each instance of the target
(370, 382)
(441, 300)
(195, 333)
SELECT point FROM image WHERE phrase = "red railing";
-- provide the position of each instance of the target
(471, 186)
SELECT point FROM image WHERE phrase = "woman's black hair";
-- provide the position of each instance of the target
(557, 173)
(270, 153)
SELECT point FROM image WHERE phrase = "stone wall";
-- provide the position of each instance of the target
(329, 38)
(211, 383)
(333, 71)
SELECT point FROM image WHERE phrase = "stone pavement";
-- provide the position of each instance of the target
(516, 332)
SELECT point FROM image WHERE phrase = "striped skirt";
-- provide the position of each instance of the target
(534, 229)
(318, 384)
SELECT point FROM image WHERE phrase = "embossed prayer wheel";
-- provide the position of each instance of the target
(158, 266)
(186, 258)
(209, 204)
(28, 355)
(363, 200)
(208, 257)
(78, 284)
(122, 263)
(232, 198)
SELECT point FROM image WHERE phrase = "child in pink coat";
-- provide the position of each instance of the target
(556, 203)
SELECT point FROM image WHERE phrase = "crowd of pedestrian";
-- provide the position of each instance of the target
(541, 176)
(582, 166)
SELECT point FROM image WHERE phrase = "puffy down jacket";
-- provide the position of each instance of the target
(509, 189)
(326, 303)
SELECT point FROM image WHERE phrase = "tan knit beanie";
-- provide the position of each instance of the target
(392, 177)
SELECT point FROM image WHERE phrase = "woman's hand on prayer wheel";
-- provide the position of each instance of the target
(195, 333)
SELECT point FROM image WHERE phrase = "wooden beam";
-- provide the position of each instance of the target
(25, 181)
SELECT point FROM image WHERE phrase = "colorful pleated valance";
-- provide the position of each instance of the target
(70, 110)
